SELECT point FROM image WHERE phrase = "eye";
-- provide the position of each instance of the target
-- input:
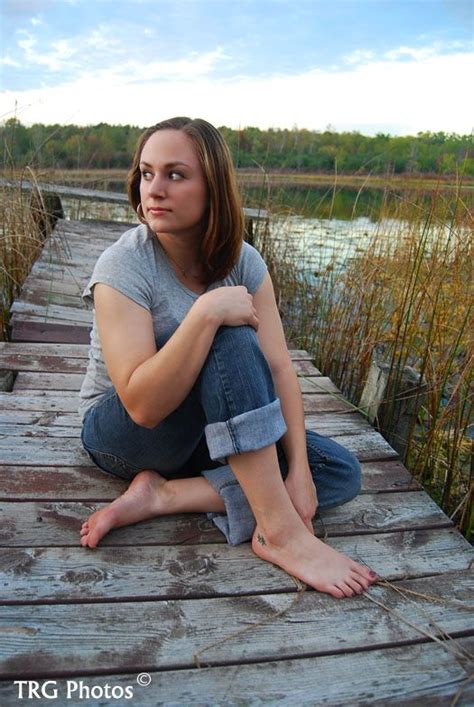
(146, 174)
(175, 176)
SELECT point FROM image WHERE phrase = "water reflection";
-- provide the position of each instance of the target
(342, 203)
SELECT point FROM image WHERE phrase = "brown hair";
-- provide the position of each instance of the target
(223, 233)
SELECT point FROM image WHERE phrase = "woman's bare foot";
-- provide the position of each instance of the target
(146, 497)
(315, 563)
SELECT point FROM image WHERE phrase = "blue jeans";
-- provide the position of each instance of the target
(231, 409)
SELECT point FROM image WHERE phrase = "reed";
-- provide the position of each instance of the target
(405, 295)
(25, 224)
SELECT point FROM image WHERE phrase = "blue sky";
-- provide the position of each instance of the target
(369, 65)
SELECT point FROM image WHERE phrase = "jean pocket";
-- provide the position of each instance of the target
(112, 464)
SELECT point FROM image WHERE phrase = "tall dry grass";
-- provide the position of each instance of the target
(24, 225)
(405, 298)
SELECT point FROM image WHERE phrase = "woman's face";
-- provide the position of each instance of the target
(173, 189)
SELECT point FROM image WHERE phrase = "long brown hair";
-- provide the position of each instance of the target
(222, 238)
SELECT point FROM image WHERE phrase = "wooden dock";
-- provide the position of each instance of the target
(165, 611)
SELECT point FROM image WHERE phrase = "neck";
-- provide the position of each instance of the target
(187, 262)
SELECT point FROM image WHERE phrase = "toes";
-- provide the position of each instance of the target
(362, 581)
(336, 592)
(346, 590)
(355, 584)
(88, 543)
(363, 571)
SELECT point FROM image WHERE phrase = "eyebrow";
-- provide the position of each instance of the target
(168, 165)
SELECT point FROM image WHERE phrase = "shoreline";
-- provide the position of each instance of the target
(279, 178)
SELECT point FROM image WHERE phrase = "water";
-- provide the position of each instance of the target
(318, 244)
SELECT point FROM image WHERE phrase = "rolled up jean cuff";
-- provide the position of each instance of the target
(251, 430)
(238, 523)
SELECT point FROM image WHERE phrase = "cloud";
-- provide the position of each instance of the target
(358, 56)
(427, 92)
(8, 61)
(411, 52)
(102, 55)
(55, 59)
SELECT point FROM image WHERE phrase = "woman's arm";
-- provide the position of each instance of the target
(150, 383)
(271, 336)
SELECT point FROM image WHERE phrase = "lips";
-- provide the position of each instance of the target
(158, 210)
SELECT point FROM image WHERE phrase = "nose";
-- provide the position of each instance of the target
(157, 186)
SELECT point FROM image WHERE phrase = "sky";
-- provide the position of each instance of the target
(391, 66)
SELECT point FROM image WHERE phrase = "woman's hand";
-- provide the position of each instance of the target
(302, 491)
(232, 306)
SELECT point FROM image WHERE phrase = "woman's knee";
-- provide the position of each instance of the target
(240, 348)
(240, 339)
(236, 375)
(336, 471)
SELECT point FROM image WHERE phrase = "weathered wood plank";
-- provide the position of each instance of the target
(43, 287)
(39, 400)
(17, 419)
(53, 381)
(10, 349)
(65, 483)
(305, 368)
(331, 425)
(420, 675)
(43, 294)
(123, 636)
(319, 402)
(48, 282)
(34, 482)
(58, 522)
(24, 329)
(62, 400)
(42, 363)
(54, 312)
(39, 430)
(60, 270)
(69, 575)
(325, 424)
(48, 381)
(90, 228)
(318, 385)
(34, 349)
(46, 297)
(369, 446)
(63, 359)
(387, 476)
(299, 355)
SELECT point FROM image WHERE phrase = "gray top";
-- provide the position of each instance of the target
(136, 266)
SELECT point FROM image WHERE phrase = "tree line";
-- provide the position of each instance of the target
(106, 146)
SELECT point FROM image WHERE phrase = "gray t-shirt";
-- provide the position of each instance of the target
(137, 266)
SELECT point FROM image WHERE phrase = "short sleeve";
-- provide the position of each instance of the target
(126, 271)
(251, 268)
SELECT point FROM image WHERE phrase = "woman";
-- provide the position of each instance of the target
(187, 350)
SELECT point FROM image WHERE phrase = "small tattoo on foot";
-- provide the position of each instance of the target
(261, 539)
